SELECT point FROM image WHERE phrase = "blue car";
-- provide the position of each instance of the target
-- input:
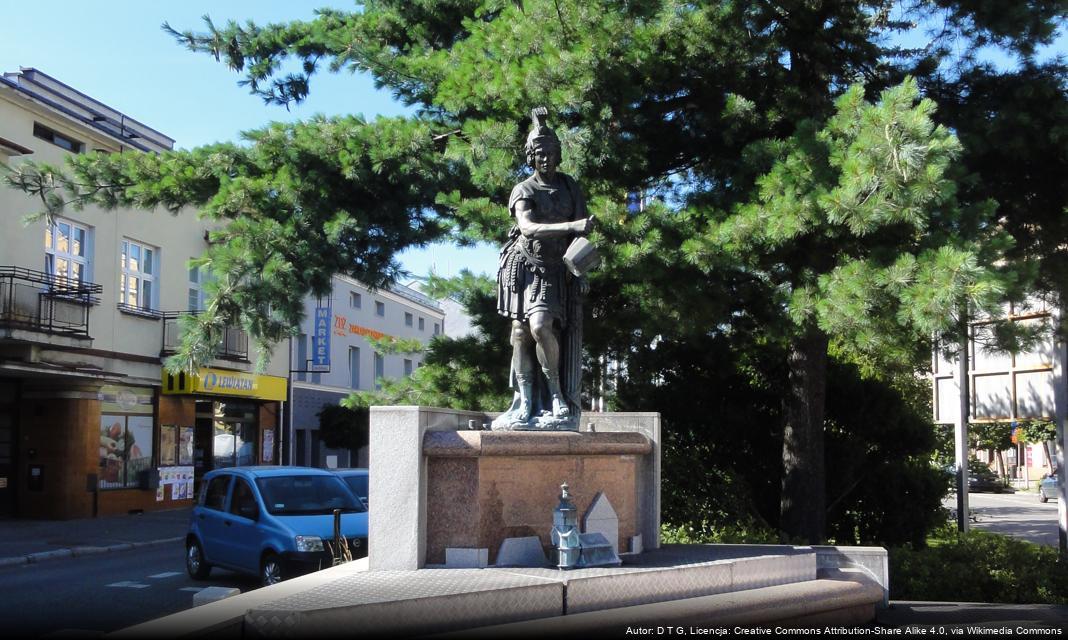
(273, 522)
(357, 480)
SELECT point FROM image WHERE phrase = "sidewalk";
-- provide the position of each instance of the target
(27, 541)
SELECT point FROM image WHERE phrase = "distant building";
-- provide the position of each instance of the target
(1004, 387)
(355, 313)
(89, 303)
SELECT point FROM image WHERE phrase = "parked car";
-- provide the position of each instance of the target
(274, 522)
(982, 479)
(356, 479)
(1048, 487)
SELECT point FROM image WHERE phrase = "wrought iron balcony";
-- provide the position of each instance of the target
(233, 346)
(39, 301)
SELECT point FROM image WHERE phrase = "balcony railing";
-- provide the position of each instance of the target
(233, 346)
(40, 301)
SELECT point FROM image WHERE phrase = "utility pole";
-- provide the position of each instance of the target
(1060, 400)
(961, 435)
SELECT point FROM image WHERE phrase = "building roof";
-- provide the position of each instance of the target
(73, 104)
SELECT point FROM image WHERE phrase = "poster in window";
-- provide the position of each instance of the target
(168, 445)
(185, 446)
(138, 448)
(268, 446)
(112, 450)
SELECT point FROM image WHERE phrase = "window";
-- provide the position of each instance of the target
(67, 251)
(215, 494)
(243, 502)
(137, 282)
(380, 368)
(354, 367)
(302, 357)
(407, 367)
(60, 140)
(437, 328)
(407, 319)
(380, 309)
(196, 289)
(422, 325)
(355, 300)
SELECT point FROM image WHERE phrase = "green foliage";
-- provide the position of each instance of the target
(978, 567)
(995, 436)
(704, 532)
(1036, 431)
(344, 427)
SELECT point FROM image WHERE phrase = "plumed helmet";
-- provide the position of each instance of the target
(540, 133)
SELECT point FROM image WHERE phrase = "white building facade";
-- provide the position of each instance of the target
(352, 313)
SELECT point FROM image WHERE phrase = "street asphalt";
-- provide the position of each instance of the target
(33, 541)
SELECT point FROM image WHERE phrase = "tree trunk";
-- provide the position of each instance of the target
(803, 505)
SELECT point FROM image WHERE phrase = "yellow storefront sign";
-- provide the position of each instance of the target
(219, 382)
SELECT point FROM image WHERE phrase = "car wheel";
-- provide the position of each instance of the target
(271, 570)
(1042, 496)
(195, 564)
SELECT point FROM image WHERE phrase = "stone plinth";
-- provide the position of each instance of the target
(435, 484)
(483, 487)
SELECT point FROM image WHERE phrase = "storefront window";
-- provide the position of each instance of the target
(127, 436)
(125, 450)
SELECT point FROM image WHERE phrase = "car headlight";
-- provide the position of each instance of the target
(309, 543)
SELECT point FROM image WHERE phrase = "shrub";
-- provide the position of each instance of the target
(978, 567)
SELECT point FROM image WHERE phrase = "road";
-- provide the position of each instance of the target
(1019, 515)
(102, 592)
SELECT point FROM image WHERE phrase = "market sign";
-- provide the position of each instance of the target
(220, 382)
(320, 360)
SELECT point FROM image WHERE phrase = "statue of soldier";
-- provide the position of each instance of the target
(540, 294)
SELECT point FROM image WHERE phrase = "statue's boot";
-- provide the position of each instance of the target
(560, 408)
(526, 390)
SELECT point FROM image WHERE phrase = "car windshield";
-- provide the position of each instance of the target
(358, 485)
(306, 495)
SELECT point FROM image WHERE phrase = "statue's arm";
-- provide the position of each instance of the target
(538, 230)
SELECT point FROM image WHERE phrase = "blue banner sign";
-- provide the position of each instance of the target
(320, 356)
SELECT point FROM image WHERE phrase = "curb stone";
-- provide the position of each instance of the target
(86, 550)
(48, 555)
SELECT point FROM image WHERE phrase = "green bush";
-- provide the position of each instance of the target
(978, 567)
(705, 532)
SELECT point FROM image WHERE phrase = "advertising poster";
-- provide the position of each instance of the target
(185, 446)
(112, 450)
(168, 445)
(268, 446)
(138, 447)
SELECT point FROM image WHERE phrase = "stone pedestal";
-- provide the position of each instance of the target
(436, 485)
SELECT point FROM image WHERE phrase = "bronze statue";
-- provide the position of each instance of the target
(540, 289)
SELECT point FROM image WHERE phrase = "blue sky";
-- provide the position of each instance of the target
(115, 51)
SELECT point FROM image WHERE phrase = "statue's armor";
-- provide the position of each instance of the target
(532, 276)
